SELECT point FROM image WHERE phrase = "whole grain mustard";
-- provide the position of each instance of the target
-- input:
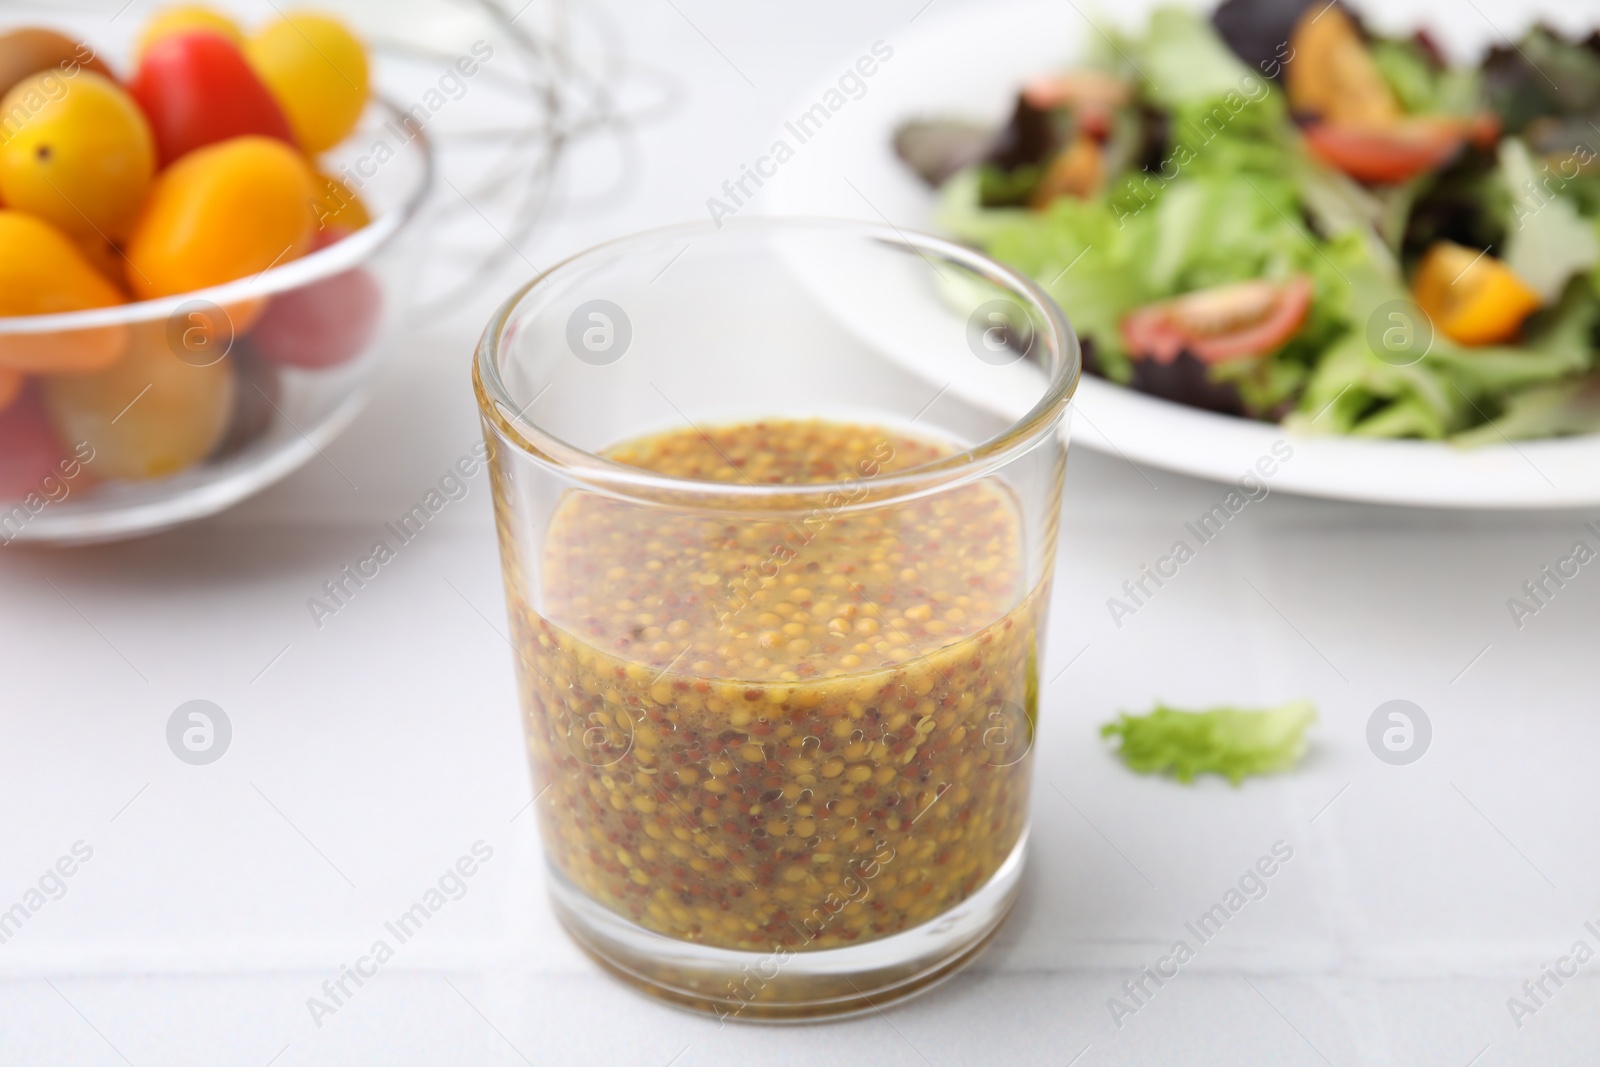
(806, 729)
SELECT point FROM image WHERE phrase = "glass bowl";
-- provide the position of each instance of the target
(301, 339)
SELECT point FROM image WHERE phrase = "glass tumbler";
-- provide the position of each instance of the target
(777, 505)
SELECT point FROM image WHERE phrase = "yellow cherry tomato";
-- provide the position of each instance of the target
(185, 18)
(1472, 297)
(317, 70)
(338, 205)
(43, 273)
(226, 211)
(152, 413)
(81, 158)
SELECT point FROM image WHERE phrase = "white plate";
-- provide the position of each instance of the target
(969, 63)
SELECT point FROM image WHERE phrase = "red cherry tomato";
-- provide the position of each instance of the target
(29, 450)
(321, 324)
(197, 88)
(1215, 325)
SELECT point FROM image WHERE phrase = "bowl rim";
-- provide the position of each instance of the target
(499, 409)
(323, 263)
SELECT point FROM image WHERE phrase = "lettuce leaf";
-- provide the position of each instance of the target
(1183, 61)
(1232, 742)
(1075, 249)
(1565, 407)
(1547, 242)
(1422, 87)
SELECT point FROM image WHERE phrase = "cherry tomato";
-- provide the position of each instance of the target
(29, 449)
(1077, 171)
(83, 157)
(104, 256)
(197, 89)
(1333, 74)
(226, 211)
(1472, 296)
(1216, 325)
(318, 71)
(338, 206)
(184, 18)
(32, 51)
(42, 273)
(321, 324)
(149, 415)
(1394, 151)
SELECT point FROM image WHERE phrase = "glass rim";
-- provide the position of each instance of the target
(353, 250)
(1021, 435)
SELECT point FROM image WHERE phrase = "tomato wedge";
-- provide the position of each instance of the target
(1220, 324)
(1472, 297)
(1078, 170)
(1333, 74)
(1392, 151)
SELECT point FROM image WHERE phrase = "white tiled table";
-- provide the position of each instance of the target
(370, 753)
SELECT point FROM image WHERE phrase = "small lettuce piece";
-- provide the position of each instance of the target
(1232, 742)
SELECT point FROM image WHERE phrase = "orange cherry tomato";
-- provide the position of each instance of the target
(149, 415)
(103, 256)
(1472, 297)
(227, 211)
(1333, 74)
(43, 273)
(82, 157)
(338, 207)
(1077, 171)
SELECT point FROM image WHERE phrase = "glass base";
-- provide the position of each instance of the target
(783, 985)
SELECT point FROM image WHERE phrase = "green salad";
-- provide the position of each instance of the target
(1279, 215)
